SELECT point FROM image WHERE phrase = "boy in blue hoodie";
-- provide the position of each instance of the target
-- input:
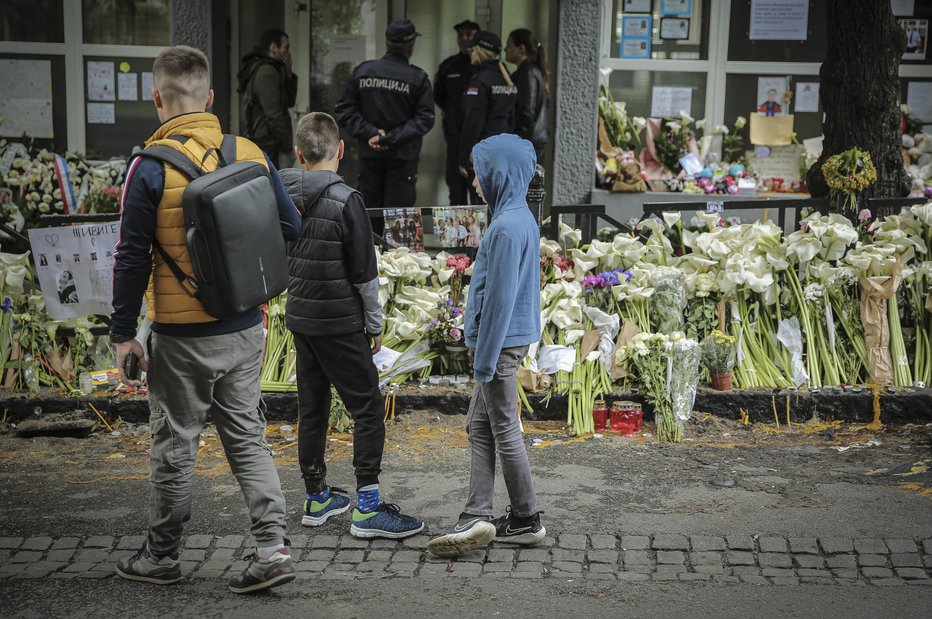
(502, 319)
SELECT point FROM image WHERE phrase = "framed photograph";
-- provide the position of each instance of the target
(458, 228)
(635, 27)
(404, 228)
(676, 7)
(674, 28)
(637, 6)
(917, 38)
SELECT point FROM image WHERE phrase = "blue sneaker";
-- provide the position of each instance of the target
(316, 514)
(386, 520)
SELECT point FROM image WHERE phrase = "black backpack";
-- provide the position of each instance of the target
(233, 233)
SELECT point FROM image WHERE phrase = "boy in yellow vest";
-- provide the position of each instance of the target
(197, 364)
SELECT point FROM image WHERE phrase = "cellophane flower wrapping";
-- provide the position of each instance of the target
(684, 376)
(669, 300)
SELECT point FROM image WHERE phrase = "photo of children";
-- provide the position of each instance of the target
(404, 228)
(459, 227)
(917, 36)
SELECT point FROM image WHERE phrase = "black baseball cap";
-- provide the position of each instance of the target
(468, 24)
(401, 31)
(486, 40)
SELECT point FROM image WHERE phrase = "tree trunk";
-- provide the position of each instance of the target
(861, 93)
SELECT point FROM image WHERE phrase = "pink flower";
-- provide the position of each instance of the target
(456, 334)
(864, 215)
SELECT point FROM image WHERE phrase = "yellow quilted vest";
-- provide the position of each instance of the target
(167, 302)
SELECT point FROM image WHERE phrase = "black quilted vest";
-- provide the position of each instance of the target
(321, 299)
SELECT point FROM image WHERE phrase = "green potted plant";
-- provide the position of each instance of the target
(718, 355)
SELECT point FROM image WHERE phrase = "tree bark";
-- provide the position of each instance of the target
(860, 93)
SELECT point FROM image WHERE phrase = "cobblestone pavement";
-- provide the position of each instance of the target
(755, 560)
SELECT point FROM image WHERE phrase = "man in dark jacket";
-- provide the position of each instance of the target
(334, 313)
(268, 89)
(388, 106)
(452, 78)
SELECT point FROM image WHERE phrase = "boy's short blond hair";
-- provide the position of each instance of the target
(181, 73)
(317, 137)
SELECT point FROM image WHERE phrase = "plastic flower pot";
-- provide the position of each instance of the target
(721, 381)
(599, 416)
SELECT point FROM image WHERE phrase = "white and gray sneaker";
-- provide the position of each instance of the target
(511, 529)
(469, 533)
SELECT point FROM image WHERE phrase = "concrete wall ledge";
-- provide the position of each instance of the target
(896, 406)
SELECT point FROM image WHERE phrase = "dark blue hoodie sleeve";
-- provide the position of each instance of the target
(498, 303)
(288, 213)
(132, 260)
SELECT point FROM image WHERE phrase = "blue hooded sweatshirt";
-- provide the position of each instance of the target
(503, 307)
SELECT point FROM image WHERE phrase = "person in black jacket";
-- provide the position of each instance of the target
(333, 310)
(388, 106)
(531, 79)
(268, 89)
(453, 77)
(489, 102)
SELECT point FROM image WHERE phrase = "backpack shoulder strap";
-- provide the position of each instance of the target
(171, 156)
(228, 149)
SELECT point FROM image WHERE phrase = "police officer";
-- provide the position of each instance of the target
(489, 101)
(388, 106)
(452, 78)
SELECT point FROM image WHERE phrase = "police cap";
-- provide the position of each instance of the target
(486, 40)
(468, 24)
(401, 31)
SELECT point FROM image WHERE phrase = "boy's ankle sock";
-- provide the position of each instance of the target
(321, 496)
(265, 552)
(367, 498)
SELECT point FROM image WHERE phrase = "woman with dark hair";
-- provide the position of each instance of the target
(531, 78)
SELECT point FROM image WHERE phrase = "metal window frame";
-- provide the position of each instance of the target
(74, 50)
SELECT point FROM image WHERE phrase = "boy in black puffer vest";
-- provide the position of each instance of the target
(334, 312)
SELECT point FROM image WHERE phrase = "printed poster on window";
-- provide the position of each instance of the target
(75, 268)
(779, 20)
(26, 98)
(635, 36)
(101, 81)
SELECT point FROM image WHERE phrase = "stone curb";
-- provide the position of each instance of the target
(767, 560)
(900, 406)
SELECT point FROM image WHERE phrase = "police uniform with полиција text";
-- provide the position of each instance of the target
(391, 95)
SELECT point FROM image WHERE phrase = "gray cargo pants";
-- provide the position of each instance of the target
(492, 424)
(188, 378)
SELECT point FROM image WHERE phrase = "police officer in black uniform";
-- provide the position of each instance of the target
(489, 102)
(452, 78)
(388, 106)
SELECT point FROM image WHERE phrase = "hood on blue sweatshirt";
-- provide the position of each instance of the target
(505, 165)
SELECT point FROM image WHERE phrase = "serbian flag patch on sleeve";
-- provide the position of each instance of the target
(472, 90)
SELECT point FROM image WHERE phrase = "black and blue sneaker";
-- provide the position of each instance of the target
(316, 513)
(469, 533)
(386, 520)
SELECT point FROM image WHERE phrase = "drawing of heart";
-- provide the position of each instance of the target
(52, 239)
(94, 241)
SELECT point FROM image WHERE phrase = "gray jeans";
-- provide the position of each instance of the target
(492, 424)
(188, 378)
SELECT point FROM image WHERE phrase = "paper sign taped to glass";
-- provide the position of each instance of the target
(771, 130)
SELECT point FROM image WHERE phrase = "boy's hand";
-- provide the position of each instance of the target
(375, 343)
